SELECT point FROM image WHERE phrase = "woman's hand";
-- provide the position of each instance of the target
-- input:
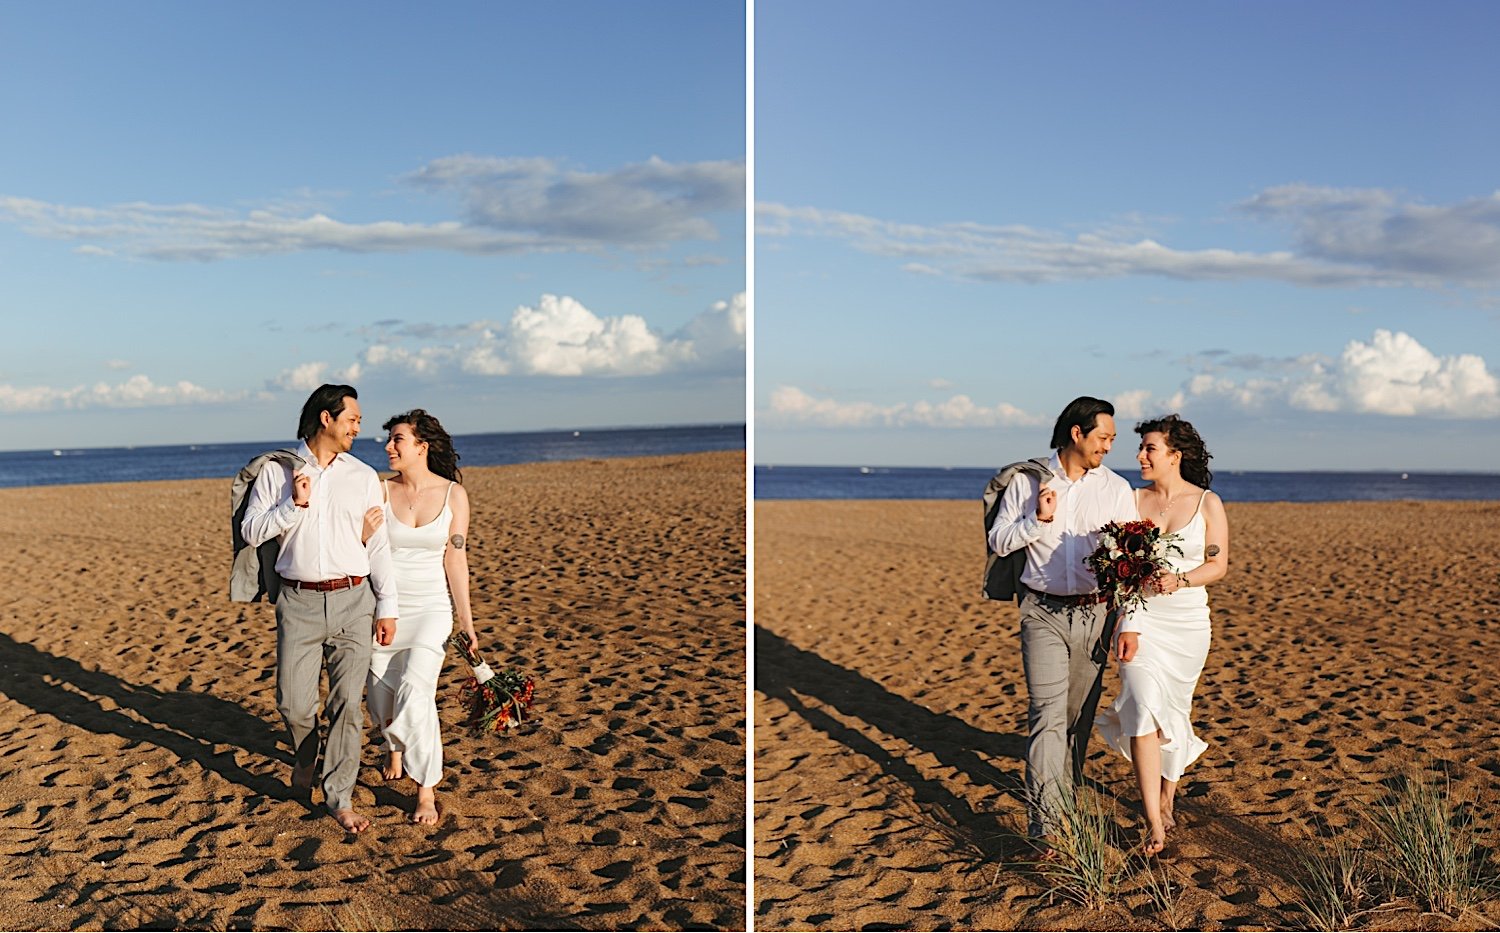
(374, 518)
(1167, 583)
(1126, 645)
(471, 637)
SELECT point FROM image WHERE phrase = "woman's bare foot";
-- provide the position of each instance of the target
(1168, 823)
(1155, 843)
(426, 811)
(351, 821)
(392, 769)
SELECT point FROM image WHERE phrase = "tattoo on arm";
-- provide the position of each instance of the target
(457, 541)
(1212, 550)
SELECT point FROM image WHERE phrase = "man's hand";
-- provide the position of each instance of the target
(301, 489)
(1127, 644)
(385, 632)
(374, 518)
(1046, 504)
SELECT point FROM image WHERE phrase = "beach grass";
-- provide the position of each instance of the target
(1165, 894)
(1336, 881)
(1088, 865)
(1427, 848)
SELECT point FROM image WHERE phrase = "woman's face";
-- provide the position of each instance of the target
(1157, 460)
(403, 449)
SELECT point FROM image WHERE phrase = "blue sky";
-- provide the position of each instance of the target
(518, 216)
(1279, 219)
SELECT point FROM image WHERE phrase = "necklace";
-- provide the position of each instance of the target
(412, 496)
(1168, 507)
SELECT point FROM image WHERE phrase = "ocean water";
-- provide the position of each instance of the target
(801, 482)
(200, 461)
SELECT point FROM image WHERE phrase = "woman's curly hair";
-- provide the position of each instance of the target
(442, 459)
(1183, 437)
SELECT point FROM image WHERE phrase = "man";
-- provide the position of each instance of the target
(332, 585)
(1062, 621)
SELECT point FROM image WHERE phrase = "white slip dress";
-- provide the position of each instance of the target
(401, 691)
(1157, 685)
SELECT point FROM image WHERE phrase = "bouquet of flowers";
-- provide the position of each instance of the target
(1130, 556)
(495, 701)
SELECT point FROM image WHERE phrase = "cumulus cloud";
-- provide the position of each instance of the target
(1132, 404)
(508, 206)
(136, 392)
(308, 376)
(1390, 374)
(559, 336)
(718, 332)
(1340, 237)
(790, 404)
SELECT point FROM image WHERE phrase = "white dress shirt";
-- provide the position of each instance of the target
(322, 541)
(1055, 550)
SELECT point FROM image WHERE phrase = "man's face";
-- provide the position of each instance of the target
(1095, 444)
(345, 428)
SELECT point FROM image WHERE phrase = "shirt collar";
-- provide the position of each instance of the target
(305, 452)
(1061, 474)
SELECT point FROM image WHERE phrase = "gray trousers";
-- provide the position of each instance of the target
(337, 629)
(1063, 654)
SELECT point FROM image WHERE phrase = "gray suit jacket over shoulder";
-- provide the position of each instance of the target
(1002, 575)
(253, 572)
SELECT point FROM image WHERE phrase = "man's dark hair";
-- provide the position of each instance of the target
(1083, 412)
(326, 397)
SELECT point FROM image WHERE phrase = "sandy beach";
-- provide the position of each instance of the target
(143, 765)
(1350, 639)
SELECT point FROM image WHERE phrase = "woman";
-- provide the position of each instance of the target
(426, 514)
(1162, 645)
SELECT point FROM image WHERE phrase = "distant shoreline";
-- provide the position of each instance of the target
(967, 483)
(83, 466)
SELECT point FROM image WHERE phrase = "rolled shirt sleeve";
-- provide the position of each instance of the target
(1016, 524)
(270, 511)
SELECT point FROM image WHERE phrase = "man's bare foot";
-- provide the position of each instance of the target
(426, 811)
(302, 778)
(392, 769)
(351, 821)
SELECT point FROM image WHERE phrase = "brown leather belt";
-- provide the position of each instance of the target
(324, 586)
(1082, 599)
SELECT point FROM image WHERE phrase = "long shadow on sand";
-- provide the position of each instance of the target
(784, 671)
(185, 723)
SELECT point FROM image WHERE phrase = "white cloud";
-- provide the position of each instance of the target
(790, 404)
(510, 206)
(303, 378)
(1360, 237)
(136, 392)
(1390, 374)
(117, 364)
(1131, 404)
(717, 332)
(561, 337)
(308, 376)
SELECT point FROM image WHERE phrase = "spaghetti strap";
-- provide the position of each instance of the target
(385, 490)
(448, 493)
